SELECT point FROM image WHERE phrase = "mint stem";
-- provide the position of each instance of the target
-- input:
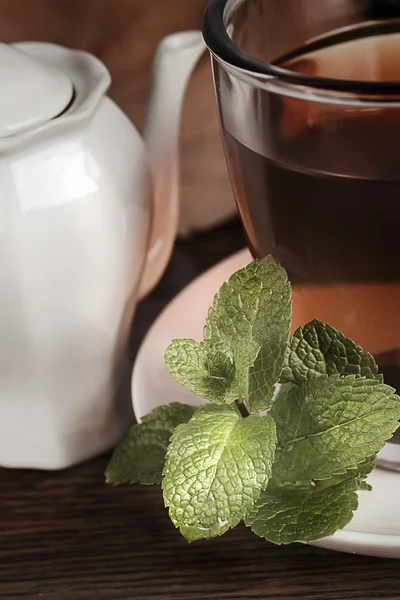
(242, 409)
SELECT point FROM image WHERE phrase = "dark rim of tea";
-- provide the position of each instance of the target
(223, 47)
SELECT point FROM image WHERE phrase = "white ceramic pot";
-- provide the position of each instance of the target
(78, 207)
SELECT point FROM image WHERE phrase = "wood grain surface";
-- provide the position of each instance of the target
(65, 536)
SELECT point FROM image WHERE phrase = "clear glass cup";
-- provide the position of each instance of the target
(308, 94)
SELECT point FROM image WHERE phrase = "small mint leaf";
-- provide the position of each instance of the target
(362, 472)
(359, 475)
(303, 513)
(245, 353)
(319, 349)
(216, 467)
(250, 322)
(364, 486)
(140, 457)
(203, 370)
(328, 425)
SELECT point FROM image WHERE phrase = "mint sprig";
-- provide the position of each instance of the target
(293, 474)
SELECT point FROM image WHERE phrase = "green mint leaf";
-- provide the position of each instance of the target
(319, 349)
(203, 369)
(250, 322)
(362, 472)
(359, 474)
(216, 467)
(364, 486)
(303, 513)
(328, 425)
(140, 457)
(245, 353)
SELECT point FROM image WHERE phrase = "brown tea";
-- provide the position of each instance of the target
(324, 196)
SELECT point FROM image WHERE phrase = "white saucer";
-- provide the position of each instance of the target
(375, 529)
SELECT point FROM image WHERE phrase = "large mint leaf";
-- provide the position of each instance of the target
(319, 349)
(140, 457)
(304, 513)
(250, 321)
(328, 425)
(204, 370)
(216, 467)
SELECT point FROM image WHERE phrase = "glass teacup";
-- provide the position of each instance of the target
(308, 94)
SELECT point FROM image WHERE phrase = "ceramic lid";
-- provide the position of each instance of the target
(31, 92)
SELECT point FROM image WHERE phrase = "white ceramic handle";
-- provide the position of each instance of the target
(175, 60)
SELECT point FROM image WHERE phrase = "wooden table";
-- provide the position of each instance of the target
(68, 536)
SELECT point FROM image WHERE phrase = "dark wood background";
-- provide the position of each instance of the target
(124, 34)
